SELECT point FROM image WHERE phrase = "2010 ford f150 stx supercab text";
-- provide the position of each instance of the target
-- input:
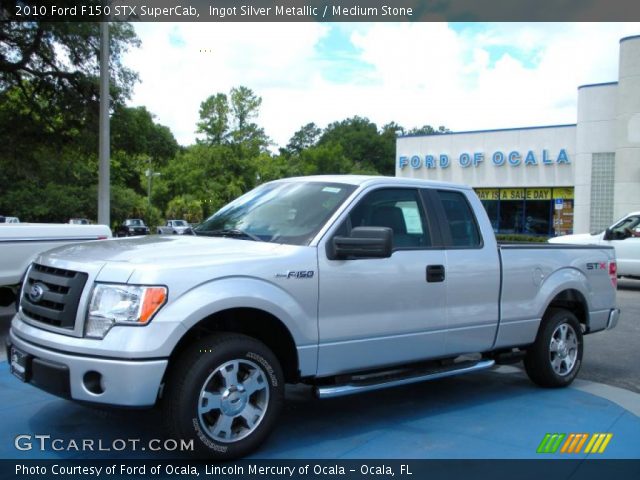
(346, 283)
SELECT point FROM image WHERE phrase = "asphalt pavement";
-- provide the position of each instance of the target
(613, 357)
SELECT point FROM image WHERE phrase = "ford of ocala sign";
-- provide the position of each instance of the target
(498, 159)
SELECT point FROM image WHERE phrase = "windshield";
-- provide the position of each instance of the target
(281, 212)
(136, 222)
(629, 223)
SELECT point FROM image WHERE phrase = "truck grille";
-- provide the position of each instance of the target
(51, 295)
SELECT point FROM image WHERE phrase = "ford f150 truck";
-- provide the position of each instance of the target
(345, 283)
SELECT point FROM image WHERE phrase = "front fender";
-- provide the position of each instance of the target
(247, 292)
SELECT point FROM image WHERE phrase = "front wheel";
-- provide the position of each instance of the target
(556, 356)
(225, 392)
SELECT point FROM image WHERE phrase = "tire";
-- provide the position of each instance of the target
(555, 358)
(245, 381)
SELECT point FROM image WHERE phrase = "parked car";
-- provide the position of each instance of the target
(346, 283)
(20, 243)
(9, 219)
(79, 221)
(175, 227)
(624, 236)
(131, 227)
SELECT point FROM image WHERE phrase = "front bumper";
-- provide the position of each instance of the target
(126, 383)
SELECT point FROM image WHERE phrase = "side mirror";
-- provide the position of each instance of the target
(608, 234)
(364, 242)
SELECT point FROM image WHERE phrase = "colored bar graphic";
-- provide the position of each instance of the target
(543, 443)
(584, 439)
(598, 443)
(550, 443)
(606, 442)
(574, 442)
(568, 444)
(590, 444)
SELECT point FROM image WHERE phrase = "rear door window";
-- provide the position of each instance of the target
(460, 220)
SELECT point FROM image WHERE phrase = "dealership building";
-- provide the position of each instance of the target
(548, 180)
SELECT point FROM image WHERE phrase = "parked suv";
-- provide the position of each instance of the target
(131, 227)
(175, 227)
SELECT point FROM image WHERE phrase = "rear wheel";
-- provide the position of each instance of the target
(225, 392)
(556, 356)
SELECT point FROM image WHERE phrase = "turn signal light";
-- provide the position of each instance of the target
(154, 298)
(613, 274)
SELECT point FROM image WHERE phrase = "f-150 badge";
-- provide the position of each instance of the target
(296, 274)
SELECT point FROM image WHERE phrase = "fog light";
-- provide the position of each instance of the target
(93, 382)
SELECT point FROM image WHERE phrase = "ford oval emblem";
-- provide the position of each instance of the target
(36, 293)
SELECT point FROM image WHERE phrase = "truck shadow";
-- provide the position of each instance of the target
(629, 284)
(310, 428)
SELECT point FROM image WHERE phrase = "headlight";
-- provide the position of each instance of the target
(113, 304)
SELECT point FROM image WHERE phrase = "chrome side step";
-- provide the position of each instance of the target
(369, 383)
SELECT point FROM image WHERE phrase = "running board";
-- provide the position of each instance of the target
(368, 383)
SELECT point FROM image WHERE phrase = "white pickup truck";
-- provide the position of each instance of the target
(624, 236)
(345, 283)
(20, 243)
(174, 227)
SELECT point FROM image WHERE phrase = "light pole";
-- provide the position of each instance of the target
(104, 207)
(150, 174)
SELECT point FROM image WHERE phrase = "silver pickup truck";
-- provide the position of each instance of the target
(345, 283)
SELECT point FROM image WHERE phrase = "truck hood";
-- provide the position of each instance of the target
(166, 250)
(578, 239)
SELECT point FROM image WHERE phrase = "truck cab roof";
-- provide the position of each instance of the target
(367, 180)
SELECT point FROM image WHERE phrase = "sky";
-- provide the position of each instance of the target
(464, 76)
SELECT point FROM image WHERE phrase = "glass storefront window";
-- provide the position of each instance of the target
(537, 217)
(511, 216)
(491, 206)
(530, 211)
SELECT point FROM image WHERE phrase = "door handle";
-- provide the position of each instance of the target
(435, 273)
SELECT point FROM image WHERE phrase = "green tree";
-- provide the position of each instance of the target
(49, 100)
(361, 143)
(304, 138)
(229, 121)
(214, 119)
(55, 67)
(327, 159)
(269, 167)
(428, 130)
(245, 106)
(133, 130)
(214, 175)
(185, 207)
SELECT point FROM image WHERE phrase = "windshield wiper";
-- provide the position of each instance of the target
(230, 232)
